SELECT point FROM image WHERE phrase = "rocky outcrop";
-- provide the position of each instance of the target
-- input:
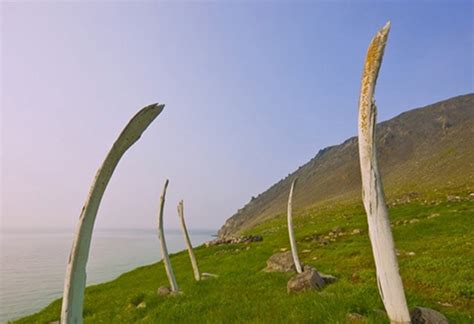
(235, 240)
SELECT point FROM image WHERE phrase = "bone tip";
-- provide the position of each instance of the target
(159, 106)
(386, 28)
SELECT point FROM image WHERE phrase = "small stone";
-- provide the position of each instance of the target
(354, 318)
(306, 251)
(356, 231)
(355, 277)
(337, 229)
(422, 315)
(314, 258)
(280, 262)
(411, 254)
(141, 305)
(307, 280)
(453, 198)
(284, 249)
(445, 304)
(414, 221)
(323, 241)
(163, 291)
(433, 215)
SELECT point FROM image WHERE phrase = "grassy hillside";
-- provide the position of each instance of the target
(418, 151)
(435, 242)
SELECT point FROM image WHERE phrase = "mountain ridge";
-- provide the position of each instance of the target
(421, 151)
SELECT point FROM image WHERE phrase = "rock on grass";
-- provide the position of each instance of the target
(307, 280)
(354, 318)
(163, 291)
(281, 262)
(422, 315)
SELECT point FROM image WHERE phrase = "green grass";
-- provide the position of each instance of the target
(440, 275)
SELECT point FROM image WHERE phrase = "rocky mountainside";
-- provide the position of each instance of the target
(423, 152)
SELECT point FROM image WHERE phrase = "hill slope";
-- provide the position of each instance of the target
(424, 152)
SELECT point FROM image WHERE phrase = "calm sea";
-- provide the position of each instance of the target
(33, 264)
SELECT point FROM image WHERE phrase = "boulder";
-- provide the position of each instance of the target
(307, 280)
(422, 315)
(281, 262)
(163, 291)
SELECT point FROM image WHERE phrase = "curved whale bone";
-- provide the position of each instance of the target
(75, 279)
(164, 249)
(294, 250)
(383, 248)
(189, 246)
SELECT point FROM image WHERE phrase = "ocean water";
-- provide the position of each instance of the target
(33, 263)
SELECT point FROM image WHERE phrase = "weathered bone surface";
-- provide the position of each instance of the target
(164, 249)
(388, 277)
(294, 250)
(75, 280)
(189, 246)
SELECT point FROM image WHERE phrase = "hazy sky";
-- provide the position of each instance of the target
(252, 91)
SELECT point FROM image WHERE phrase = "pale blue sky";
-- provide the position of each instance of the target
(252, 91)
